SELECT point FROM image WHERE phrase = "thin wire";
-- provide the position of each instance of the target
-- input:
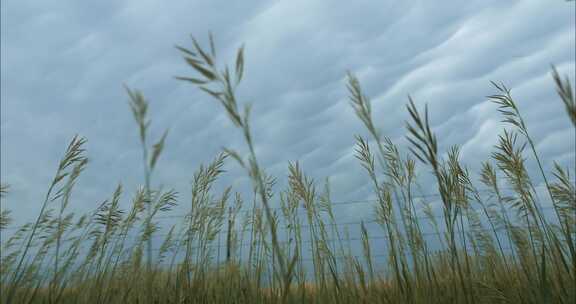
(336, 204)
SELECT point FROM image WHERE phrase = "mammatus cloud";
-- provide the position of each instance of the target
(64, 63)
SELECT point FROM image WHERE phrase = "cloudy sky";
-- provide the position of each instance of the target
(64, 64)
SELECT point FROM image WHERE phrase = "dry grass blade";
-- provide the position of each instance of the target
(5, 219)
(564, 90)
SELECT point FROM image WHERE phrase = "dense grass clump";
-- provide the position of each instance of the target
(493, 246)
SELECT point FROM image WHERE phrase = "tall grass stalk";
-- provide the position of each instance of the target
(497, 245)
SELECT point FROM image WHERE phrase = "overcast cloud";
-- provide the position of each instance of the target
(64, 64)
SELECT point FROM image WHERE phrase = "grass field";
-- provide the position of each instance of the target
(496, 247)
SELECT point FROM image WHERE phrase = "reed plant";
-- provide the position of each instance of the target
(493, 241)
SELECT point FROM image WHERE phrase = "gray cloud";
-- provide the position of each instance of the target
(64, 63)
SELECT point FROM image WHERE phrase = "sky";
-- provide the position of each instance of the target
(64, 64)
